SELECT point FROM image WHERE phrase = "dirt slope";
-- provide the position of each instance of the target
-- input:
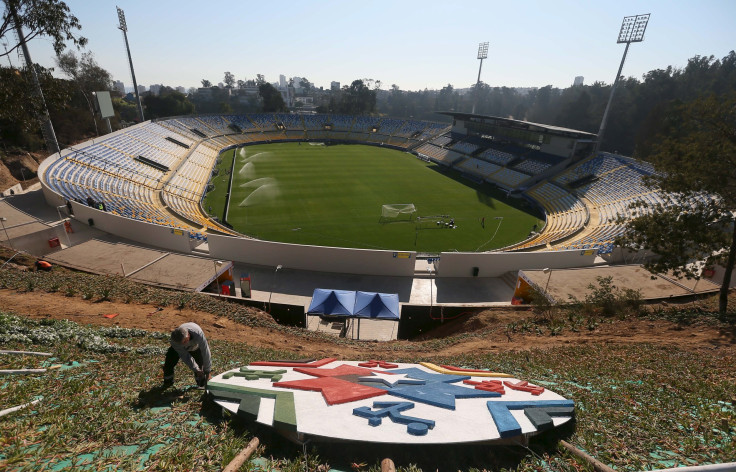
(492, 324)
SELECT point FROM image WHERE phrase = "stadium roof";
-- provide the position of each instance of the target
(511, 123)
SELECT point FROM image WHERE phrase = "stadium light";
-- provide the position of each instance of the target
(482, 54)
(632, 31)
(124, 28)
(483, 51)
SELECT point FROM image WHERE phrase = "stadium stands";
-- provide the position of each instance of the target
(566, 215)
(464, 147)
(158, 171)
(582, 204)
(442, 140)
(532, 167)
(612, 184)
(496, 156)
(440, 155)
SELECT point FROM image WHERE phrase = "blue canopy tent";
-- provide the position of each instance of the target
(376, 305)
(354, 315)
(332, 302)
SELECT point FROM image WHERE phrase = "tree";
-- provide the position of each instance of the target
(272, 99)
(169, 102)
(446, 99)
(304, 83)
(229, 80)
(694, 153)
(87, 75)
(357, 98)
(49, 18)
(19, 107)
(206, 83)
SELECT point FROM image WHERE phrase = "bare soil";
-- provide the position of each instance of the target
(493, 322)
(19, 167)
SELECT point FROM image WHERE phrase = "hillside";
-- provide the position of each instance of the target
(673, 367)
(11, 163)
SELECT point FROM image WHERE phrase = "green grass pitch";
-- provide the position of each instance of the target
(332, 196)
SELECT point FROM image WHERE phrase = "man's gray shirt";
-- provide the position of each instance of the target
(196, 341)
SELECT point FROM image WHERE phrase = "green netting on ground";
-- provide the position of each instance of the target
(638, 407)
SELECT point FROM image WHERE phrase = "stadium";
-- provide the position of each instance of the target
(386, 282)
(161, 175)
(476, 213)
(483, 198)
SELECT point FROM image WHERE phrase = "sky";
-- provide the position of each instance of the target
(413, 44)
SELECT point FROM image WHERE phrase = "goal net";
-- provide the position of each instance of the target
(434, 222)
(397, 212)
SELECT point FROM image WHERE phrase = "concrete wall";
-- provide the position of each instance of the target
(559, 146)
(318, 258)
(140, 231)
(495, 264)
(17, 188)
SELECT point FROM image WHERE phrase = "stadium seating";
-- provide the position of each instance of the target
(341, 122)
(496, 156)
(477, 167)
(442, 140)
(616, 182)
(464, 147)
(532, 167)
(290, 121)
(218, 124)
(264, 121)
(566, 215)
(582, 204)
(314, 122)
(584, 217)
(107, 170)
(440, 155)
(389, 126)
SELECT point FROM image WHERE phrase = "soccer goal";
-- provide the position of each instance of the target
(397, 212)
(435, 222)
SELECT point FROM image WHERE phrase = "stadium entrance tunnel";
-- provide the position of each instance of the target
(414, 321)
(417, 320)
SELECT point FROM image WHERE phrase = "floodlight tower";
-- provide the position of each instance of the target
(482, 54)
(632, 31)
(124, 28)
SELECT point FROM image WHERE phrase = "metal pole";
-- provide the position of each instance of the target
(216, 263)
(477, 86)
(124, 28)
(68, 241)
(135, 84)
(46, 126)
(431, 294)
(2, 221)
(602, 129)
(273, 285)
